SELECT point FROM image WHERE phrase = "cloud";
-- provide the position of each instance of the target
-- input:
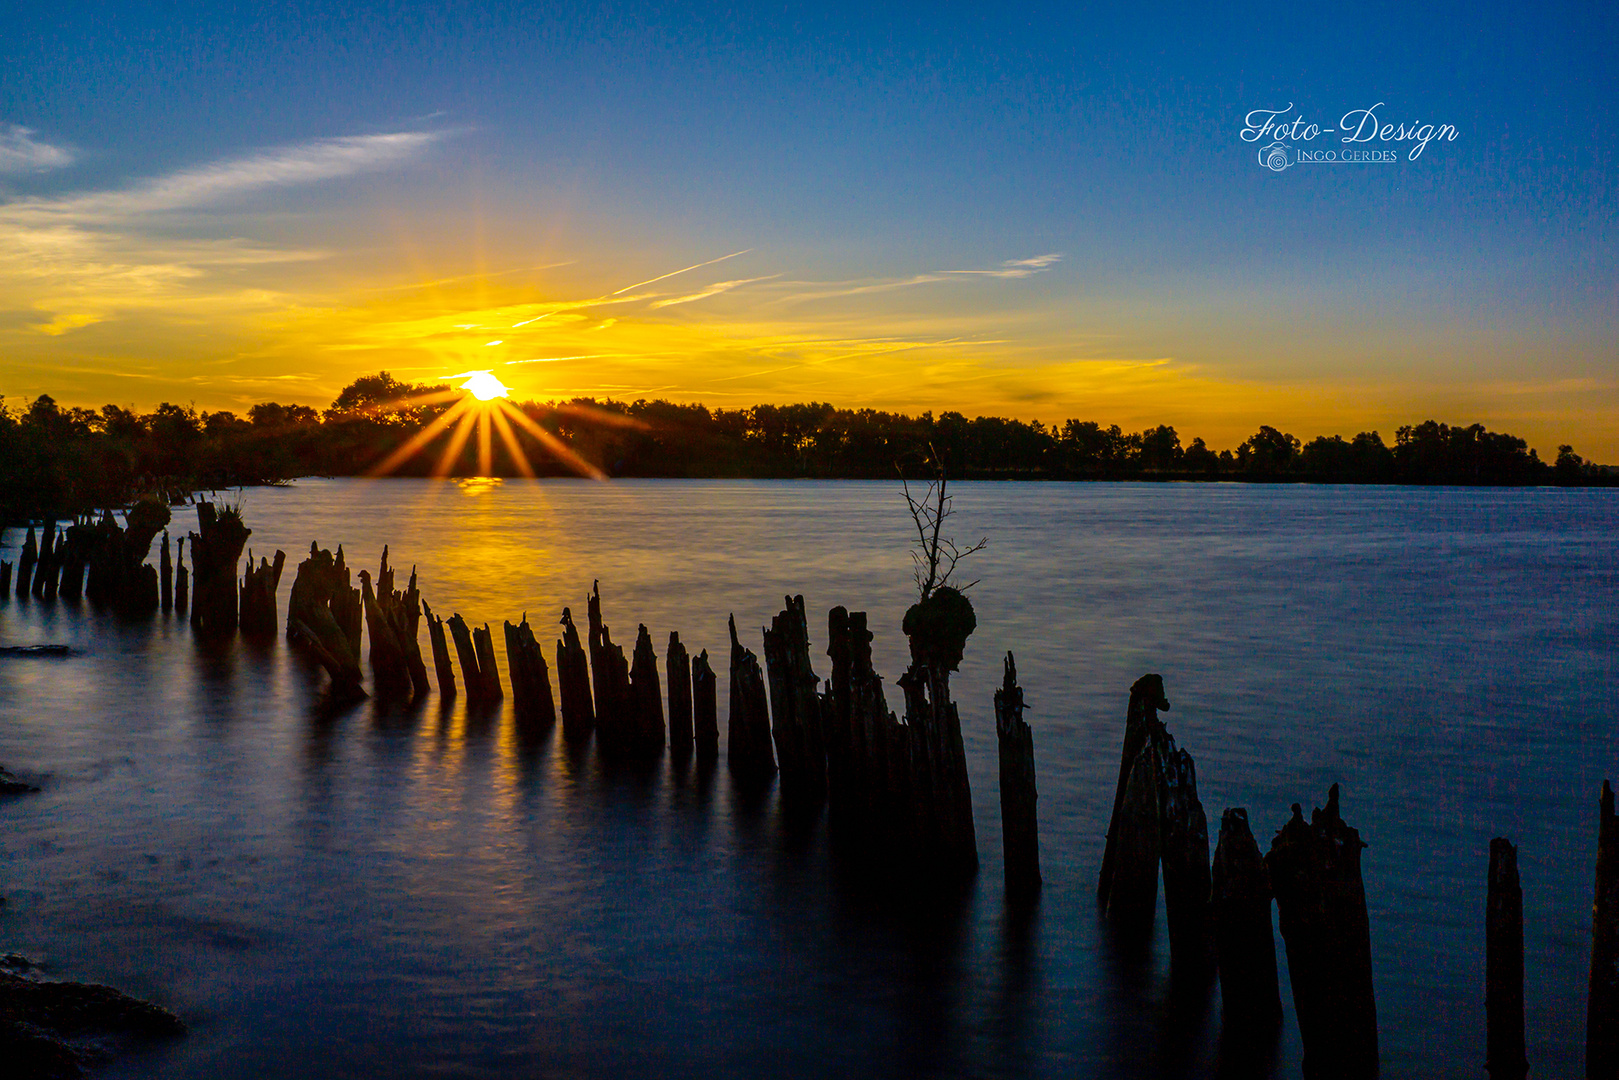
(86, 257)
(710, 290)
(21, 152)
(1014, 268)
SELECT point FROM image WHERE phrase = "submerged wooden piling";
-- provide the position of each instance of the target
(943, 837)
(677, 669)
(1132, 897)
(1244, 944)
(532, 702)
(1183, 853)
(257, 617)
(573, 682)
(795, 704)
(1314, 870)
(441, 654)
(610, 681)
(747, 745)
(318, 607)
(215, 548)
(1503, 966)
(46, 569)
(78, 545)
(392, 618)
(1019, 825)
(1602, 1004)
(26, 561)
(705, 707)
(646, 734)
(182, 579)
(467, 652)
(5, 578)
(1146, 698)
(483, 643)
(165, 578)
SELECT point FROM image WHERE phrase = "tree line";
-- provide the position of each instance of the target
(66, 460)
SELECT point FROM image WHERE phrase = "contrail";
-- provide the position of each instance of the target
(672, 273)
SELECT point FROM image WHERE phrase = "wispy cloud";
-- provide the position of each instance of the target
(85, 257)
(20, 152)
(826, 290)
(710, 290)
(1014, 268)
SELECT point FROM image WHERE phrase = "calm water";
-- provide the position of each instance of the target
(366, 892)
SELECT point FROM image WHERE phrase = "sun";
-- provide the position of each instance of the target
(485, 387)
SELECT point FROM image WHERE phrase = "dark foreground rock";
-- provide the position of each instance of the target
(10, 785)
(56, 1029)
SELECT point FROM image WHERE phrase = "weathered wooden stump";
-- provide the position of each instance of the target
(677, 669)
(1321, 904)
(320, 599)
(5, 578)
(165, 578)
(214, 554)
(610, 680)
(1503, 966)
(78, 545)
(944, 838)
(1146, 698)
(573, 682)
(532, 702)
(747, 744)
(1132, 898)
(795, 705)
(441, 654)
(705, 707)
(257, 616)
(483, 643)
(182, 579)
(392, 618)
(47, 568)
(1019, 826)
(1602, 1005)
(26, 562)
(646, 736)
(466, 651)
(1246, 948)
(1183, 851)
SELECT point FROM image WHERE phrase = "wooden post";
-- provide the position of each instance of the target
(677, 668)
(610, 679)
(1240, 906)
(389, 675)
(1321, 905)
(1602, 1006)
(647, 735)
(795, 705)
(165, 577)
(705, 707)
(747, 746)
(78, 544)
(48, 566)
(259, 585)
(531, 681)
(1503, 966)
(467, 653)
(320, 592)
(1019, 825)
(214, 552)
(5, 578)
(1184, 854)
(483, 643)
(573, 682)
(1132, 898)
(441, 654)
(25, 563)
(1146, 698)
(182, 579)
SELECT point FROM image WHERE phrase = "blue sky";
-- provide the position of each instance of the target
(893, 176)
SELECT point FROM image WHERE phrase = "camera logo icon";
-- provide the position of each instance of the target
(1275, 157)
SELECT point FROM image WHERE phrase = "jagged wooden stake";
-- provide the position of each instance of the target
(1602, 1007)
(1245, 946)
(1503, 966)
(1019, 827)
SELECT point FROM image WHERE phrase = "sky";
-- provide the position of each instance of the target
(1039, 211)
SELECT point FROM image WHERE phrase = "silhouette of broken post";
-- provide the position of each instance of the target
(610, 681)
(1183, 850)
(532, 702)
(182, 579)
(78, 545)
(944, 840)
(49, 564)
(165, 577)
(26, 561)
(747, 745)
(1503, 966)
(705, 707)
(317, 609)
(256, 616)
(677, 670)
(1314, 870)
(1128, 887)
(1602, 1006)
(215, 549)
(1019, 826)
(795, 705)
(1246, 948)
(391, 619)
(476, 650)
(645, 735)
(573, 682)
(442, 668)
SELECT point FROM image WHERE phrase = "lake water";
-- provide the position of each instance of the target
(375, 892)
